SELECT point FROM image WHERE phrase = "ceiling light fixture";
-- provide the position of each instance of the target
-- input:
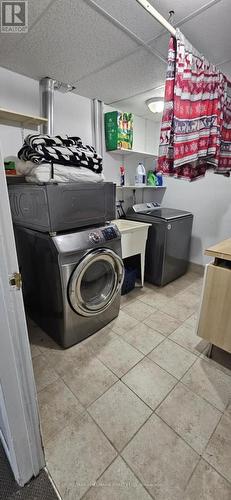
(155, 104)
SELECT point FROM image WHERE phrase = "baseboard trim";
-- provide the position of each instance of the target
(196, 268)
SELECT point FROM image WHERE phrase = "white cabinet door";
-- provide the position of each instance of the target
(19, 419)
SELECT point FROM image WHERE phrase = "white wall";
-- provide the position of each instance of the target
(209, 200)
(72, 113)
(72, 116)
(20, 94)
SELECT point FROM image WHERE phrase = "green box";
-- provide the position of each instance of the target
(118, 130)
(9, 165)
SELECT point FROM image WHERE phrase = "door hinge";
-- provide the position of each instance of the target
(16, 280)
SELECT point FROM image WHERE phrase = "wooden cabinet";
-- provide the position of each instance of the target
(214, 322)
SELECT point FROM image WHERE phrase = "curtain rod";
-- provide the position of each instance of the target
(154, 13)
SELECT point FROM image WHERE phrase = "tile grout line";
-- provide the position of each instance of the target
(48, 385)
(202, 397)
(139, 352)
(160, 309)
(218, 472)
(122, 449)
(174, 430)
(85, 408)
(120, 378)
(178, 435)
(186, 350)
(132, 345)
(102, 473)
(153, 412)
(137, 477)
(185, 385)
(193, 471)
(195, 394)
(214, 430)
(170, 317)
(86, 413)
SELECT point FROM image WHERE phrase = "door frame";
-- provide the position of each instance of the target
(18, 396)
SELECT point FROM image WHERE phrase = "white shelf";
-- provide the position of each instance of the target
(132, 152)
(141, 187)
(24, 120)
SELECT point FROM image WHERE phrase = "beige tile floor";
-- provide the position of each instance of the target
(137, 411)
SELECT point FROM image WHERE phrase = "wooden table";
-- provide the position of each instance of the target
(133, 240)
(214, 322)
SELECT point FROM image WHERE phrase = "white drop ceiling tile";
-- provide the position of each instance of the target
(210, 32)
(135, 73)
(133, 16)
(71, 41)
(8, 40)
(161, 44)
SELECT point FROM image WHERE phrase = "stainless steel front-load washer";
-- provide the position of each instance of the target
(72, 281)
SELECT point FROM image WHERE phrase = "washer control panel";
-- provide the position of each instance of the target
(101, 235)
(153, 205)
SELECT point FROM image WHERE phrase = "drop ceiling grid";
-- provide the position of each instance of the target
(89, 42)
(131, 14)
(182, 8)
(68, 42)
(125, 78)
(210, 32)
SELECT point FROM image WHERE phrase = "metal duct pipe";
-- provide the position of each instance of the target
(46, 89)
(97, 120)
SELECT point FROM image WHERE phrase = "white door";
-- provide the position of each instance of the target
(19, 419)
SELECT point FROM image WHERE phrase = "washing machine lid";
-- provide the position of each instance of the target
(95, 282)
(165, 213)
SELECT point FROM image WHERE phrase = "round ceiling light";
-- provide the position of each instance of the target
(155, 104)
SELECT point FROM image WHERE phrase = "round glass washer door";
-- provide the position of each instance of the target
(95, 282)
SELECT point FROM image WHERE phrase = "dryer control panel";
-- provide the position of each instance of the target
(109, 233)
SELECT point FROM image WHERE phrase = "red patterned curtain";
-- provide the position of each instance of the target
(196, 121)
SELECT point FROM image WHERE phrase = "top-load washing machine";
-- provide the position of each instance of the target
(71, 281)
(168, 243)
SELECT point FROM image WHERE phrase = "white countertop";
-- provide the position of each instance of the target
(128, 226)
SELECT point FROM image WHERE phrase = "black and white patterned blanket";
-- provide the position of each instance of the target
(68, 151)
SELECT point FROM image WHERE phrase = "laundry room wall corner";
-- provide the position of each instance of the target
(72, 112)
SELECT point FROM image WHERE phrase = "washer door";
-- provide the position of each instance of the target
(95, 282)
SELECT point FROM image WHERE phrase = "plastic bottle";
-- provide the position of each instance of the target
(144, 174)
(139, 175)
(159, 179)
(122, 175)
(151, 178)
